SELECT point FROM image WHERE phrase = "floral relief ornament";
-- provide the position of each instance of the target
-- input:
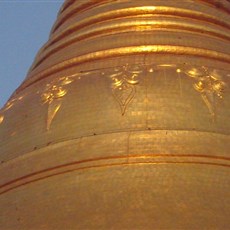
(124, 79)
(209, 84)
(52, 95)
(8, 106)
(1, 117)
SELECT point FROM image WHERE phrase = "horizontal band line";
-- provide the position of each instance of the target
(123, 51)
(137, 11)
(79, 9)
(130, 132)
(128, 157)
(117, 132)
(118, 29)
(66, 4)
(215, 5)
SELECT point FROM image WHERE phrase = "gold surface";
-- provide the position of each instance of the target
(122, 121)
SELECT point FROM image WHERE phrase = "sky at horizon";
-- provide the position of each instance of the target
(24, 27)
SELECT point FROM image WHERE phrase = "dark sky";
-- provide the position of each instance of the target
(24, 28)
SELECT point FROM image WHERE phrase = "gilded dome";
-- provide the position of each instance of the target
(122, 121)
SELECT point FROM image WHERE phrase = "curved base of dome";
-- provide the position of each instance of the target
(143, 183)
(125, 196)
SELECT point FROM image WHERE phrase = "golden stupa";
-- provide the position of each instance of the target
(123, 121)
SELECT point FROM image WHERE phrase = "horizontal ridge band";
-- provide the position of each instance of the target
(123, 51)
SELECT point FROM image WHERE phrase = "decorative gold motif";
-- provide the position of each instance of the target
(53, 109)
(1, 118)
(11, 102)
(123, 86)
(8, 106)
(209, 84)
(52, 95)
(151, 70)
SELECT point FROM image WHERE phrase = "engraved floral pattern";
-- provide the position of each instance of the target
(52, 95)
(1, 117)
(209, 84)
(124, 80)
(55, 90)
(8, 106)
